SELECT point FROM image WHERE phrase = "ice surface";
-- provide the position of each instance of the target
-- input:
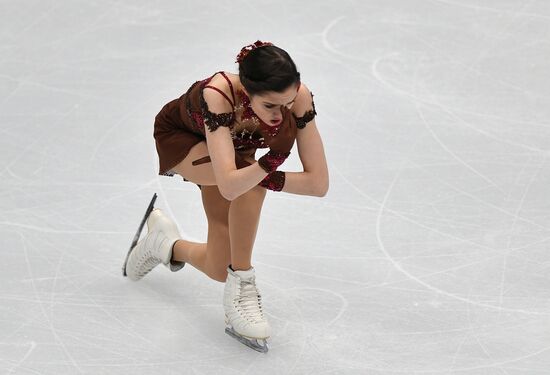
(429, 255)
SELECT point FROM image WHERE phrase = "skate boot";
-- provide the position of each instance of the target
(244, 316)
(155, 248)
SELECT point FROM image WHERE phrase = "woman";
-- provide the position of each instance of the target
(209, 136)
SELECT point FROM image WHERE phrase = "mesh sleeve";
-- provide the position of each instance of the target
(310, 114)
(214, 120)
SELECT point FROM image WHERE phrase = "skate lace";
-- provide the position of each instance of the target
(249, 301)
(147, 264)
(147, 261)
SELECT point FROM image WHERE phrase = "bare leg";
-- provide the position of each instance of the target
(232, 225)
(244, 217)
(212, 257)
(202, 174)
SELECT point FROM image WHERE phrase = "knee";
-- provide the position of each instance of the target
(260, 189)
(257, 191)
(261, 193)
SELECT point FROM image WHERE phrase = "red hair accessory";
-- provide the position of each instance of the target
(246, 50)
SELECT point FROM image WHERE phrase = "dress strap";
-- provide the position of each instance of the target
(221, 92)
(230, 85)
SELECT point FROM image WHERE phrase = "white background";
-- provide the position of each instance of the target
(429, 255)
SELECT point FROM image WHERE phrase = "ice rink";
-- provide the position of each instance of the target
(429, 255)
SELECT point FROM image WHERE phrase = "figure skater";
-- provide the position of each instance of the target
(209, 137)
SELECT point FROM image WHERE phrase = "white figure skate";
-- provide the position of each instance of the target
(155, 248)
(244, 316)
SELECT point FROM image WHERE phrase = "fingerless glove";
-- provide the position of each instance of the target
(272, 160)
(274, 181)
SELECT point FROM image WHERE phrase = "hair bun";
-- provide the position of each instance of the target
(246, 49)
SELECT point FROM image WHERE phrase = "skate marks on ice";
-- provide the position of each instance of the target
(443, 272)
(418, 103)
(494, 189)
(400, 268)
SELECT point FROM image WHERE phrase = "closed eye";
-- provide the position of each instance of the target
(270, 105)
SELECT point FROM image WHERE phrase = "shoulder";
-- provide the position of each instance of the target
(303, 102)
(216, 105)
(214, 99)
(304, 107)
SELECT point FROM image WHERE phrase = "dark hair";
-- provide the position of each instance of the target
(268, 68)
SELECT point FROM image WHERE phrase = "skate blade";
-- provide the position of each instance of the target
(140, 228)
(259, 345)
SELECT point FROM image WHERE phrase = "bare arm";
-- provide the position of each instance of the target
(232, 182)
(314, 180)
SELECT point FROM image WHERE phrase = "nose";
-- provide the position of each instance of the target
(276, 113)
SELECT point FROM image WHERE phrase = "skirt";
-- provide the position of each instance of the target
(172, 139)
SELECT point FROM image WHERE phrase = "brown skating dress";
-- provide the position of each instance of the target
(180, 125)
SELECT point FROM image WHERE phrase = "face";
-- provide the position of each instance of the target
(268, 105)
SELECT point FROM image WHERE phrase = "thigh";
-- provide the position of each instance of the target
(201, 174)
(216, 207)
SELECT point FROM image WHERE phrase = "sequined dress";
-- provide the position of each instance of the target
(180, 125)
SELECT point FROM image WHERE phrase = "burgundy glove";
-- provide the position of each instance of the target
(272, 160)
(274, 181)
